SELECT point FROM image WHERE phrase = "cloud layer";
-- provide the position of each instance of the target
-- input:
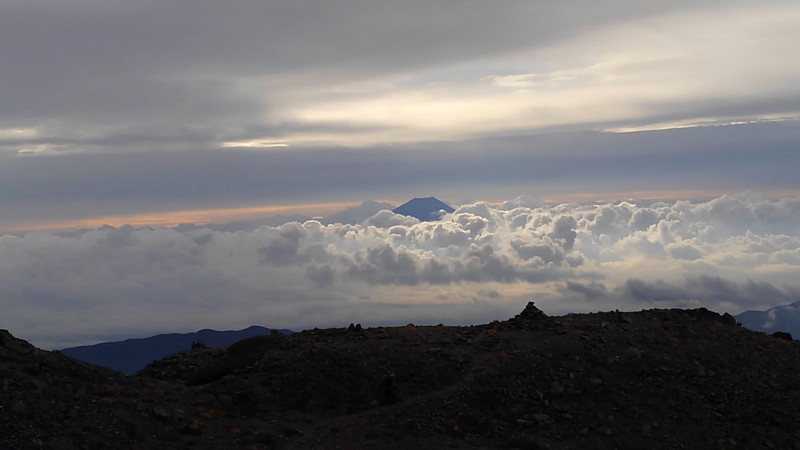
(43, 189)
(108, 76)
(479, 263)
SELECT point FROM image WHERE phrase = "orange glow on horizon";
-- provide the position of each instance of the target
(318, 210)
(175, 218)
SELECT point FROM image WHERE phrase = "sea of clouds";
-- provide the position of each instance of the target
(480, 263)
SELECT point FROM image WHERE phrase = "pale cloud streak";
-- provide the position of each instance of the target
(188, 217)
(696, 69)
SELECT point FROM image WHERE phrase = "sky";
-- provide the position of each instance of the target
(650, 146)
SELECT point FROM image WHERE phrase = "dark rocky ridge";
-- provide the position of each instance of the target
(653, 379)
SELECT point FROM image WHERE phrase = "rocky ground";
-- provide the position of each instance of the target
(652, 379)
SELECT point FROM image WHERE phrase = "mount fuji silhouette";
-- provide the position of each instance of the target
(425, 209)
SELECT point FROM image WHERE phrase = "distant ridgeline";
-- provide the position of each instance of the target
(425, 209)
(785, 318)
(131, 355)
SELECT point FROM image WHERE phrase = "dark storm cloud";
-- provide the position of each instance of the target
(710, 290)
(590, 290)
(705, 290)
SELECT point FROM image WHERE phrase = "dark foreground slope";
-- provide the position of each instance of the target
(653, 379)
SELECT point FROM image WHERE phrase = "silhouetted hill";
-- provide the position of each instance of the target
(424, 209)
(131, 355)
(656, 379)
(785, 318)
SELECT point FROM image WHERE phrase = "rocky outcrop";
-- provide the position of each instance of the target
(11, 345)
(531, 318)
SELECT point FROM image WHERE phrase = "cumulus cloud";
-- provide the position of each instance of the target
(358, 214)
(730, 253)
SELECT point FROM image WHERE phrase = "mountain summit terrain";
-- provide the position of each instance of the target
(655, 379)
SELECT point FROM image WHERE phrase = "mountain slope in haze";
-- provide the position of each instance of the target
(425, 209)
(784, 318)
(131, 355)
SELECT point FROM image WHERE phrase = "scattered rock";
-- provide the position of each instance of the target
(161, 413)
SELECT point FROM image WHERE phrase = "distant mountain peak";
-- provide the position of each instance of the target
(781, 318)
(425, 209)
